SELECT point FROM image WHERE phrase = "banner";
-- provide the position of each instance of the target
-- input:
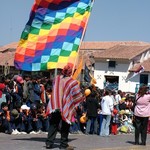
(139, 70)
(52, 35)
(78, 70)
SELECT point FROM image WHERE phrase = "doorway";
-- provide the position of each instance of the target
(111, 82)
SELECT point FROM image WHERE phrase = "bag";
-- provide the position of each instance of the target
(124, 129)
(134, 104)
(132, 108)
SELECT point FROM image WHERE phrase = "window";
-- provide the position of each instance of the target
(111, 82)
(144, 79)
(112, 64)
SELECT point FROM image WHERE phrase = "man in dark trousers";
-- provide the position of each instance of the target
(92, 113)
(65, 97)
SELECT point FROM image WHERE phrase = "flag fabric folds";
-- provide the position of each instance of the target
(52, 35)
(78, 70)
(139, 70)
(87, 76)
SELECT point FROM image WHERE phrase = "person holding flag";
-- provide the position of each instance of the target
(51, 40)
(66, 96)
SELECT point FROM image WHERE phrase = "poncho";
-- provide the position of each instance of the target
(66, 95)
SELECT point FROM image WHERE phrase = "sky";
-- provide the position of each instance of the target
(110, 20)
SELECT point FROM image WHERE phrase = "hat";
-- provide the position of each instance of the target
(15, 113)
(127, 111)
(19, 79)
(122, 112)
(67, 70)
(25, 107)
(15, 77)
(2, 86)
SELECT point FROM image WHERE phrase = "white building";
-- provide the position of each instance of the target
(117, 61)
(111, 62)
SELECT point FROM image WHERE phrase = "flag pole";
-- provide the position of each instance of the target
(55, 72)
(92, 2)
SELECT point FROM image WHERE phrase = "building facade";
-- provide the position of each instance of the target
(111, 63)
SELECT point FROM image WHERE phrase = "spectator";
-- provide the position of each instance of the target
(107, 108)
(27, 81)
(118, 98)
(2, 95)
(115, 121)
(92, 113)
(34, 90)
(19, 89)
(142, 113)
(5, 118)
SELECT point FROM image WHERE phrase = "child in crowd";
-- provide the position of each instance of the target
(24, 113)
(43, 118)
(5, 119)
(115, 122)
(122, 103)
(129, 102)
(15, 121)
(2, 94)
(126, 122)
(33, 121)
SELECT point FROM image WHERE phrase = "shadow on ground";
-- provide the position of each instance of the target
(130, 142)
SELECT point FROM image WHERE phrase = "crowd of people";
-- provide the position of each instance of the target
(24, 101)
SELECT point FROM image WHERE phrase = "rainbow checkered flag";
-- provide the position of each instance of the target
(52, 35)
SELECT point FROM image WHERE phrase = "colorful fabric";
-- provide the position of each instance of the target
(78, 70)
(139, 70)
(65, 97)
(52, 35)
(87, 76)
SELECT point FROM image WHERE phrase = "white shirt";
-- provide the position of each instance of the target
(117, 98)
(107, 105)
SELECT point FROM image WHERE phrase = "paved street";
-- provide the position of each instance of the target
(80, 142)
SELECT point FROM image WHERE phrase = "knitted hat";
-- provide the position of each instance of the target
(19, 79)
(67, 70)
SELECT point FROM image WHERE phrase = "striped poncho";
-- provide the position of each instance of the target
(66, 95)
